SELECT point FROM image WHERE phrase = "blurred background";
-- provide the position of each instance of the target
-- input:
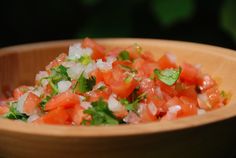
(203, 21)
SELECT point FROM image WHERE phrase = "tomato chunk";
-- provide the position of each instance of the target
(66, 99)
(98, 50)
(31, 103)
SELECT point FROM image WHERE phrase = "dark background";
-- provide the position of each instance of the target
(203, 21)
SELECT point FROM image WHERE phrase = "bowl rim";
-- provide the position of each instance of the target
(120, 130)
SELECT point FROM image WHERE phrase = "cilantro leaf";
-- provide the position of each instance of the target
(101, 114)
(85, 60)
(84, 85)
(168, 76)
(14, 114)
(44, 102)
(124, 55)
(59, 73)
(132, 106)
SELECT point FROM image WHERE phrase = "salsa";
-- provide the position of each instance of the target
(92, 85)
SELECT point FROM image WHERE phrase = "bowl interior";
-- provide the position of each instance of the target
(19, 65)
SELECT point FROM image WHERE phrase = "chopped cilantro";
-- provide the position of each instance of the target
(132, 106)
(14, 114)
(168, 76)
(101, 114)
(59, 73)
(44, 101)
(84, 85)
(127, 68)
(124, 55)
(85, 60)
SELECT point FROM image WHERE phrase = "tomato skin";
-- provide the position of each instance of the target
(189, 74)
(187, 107)
(146, 115)
(58, 116)
(206, 82)
(189, 92)
(214, 97)
(18, 92)
(123, 89)
(98, 74)
(165, 62)
(66, 100)
(56, 62)
(95, 95)
(77, 115)
(98, 50)
(31, 103)
(144, 67)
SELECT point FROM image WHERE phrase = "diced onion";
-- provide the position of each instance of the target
(131, 118)
(85, 105)
(41, 75)
(172, 57)
(21, 102)
(75, 71)
(63, 86)
(76, 51)
(152, 108)
(114, 105)
(33, 118)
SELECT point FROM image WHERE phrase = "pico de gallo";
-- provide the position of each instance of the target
(92, 85)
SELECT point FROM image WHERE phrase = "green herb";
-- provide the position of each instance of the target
(84, 85)
(85, 60)
(44, 102)
(168, 76)
(14, 114)
(124, 55)
(54, 88)
(130, 69)
(59, 73)
(101, 114)
(132, 106)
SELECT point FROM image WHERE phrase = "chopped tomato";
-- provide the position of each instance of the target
(134, 51)
(98, 74)
(189, 74)
(18, 92)
(124, 89)
(66, 100)
(97, 94)
(56, 62)
(31, 103)
(146, 115)
(98, 50)
(58, 116)
(206, 82)
(166, 61)
(214, 97)
(77, 114)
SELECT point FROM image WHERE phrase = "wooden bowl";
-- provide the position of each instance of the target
(208, 135)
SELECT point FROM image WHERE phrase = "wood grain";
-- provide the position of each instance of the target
(209, 135)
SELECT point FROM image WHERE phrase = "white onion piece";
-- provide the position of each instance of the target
(21, 102)
(41, 75)
(38, 91)
(113, 104)
(174, 108)
(152, 108)
(81, 98)
(33, 118)
(75, 71)
(131, 118)
(63, 86)
(107, 65)
(76, 51)
(89, 68)
(85, 105)
(159, 92)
